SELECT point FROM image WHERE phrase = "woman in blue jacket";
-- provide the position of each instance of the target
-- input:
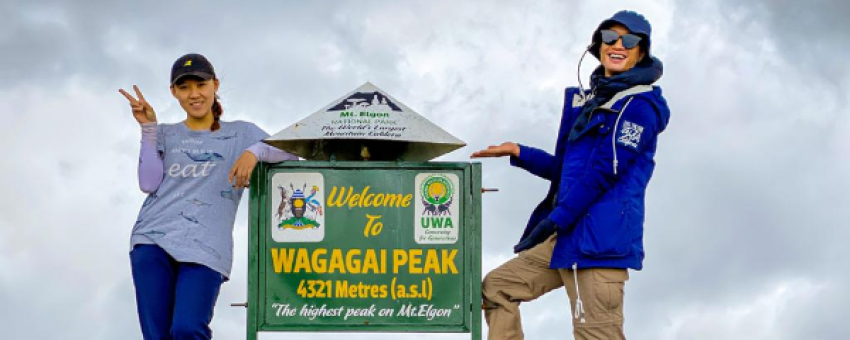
(588, 231)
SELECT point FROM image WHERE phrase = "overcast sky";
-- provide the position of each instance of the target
(746, 224)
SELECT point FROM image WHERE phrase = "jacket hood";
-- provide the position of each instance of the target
(655, 69)
(647, 72)
(661, 106)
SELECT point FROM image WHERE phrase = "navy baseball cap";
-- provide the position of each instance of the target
(633, 21)
(192, 65)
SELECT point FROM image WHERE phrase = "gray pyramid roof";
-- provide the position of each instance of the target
(366, 118)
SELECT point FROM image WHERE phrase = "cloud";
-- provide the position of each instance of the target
(745, 214)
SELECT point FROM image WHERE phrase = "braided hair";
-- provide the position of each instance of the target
(217, 110)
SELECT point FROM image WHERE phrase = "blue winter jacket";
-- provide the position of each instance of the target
(598, 180)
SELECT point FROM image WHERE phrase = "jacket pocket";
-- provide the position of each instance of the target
(605, 230)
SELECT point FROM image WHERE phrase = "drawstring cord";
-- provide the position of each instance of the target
(614, 134)
(579, 310)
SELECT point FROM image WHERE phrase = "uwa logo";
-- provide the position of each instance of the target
(437, 208)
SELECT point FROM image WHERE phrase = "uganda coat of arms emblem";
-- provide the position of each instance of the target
(298, 215)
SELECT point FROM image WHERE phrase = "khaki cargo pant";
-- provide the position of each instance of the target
(527, 277)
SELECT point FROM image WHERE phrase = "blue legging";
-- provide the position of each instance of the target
(175, 299)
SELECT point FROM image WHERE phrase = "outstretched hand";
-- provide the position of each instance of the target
(240, 173)
(142, 110)
(505, 149)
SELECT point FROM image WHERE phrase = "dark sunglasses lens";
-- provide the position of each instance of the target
(630, 40)
(609, 37)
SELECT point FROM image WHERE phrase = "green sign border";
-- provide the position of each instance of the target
(471, 238)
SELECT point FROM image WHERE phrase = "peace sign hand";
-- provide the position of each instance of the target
(142, 111)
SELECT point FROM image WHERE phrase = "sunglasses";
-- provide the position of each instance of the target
(609, 37)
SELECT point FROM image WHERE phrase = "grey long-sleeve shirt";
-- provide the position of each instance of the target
(191, 207)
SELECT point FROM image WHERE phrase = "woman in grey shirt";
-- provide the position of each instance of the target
(194, 173)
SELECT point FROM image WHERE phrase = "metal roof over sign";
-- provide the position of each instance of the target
(366, 124)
